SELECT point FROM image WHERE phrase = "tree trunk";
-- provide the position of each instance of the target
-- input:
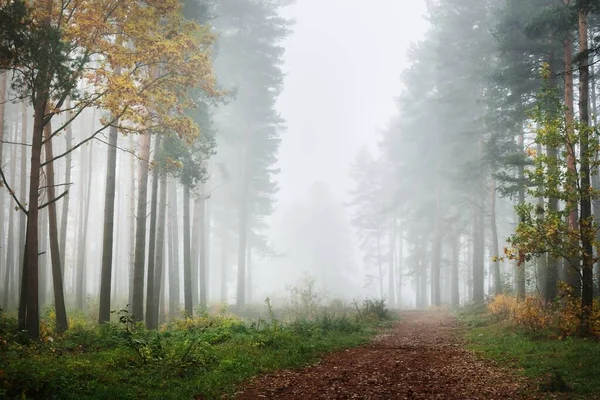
(542, 263)
(572, 271)
(437, 250)
(426, 261)
(160, 246)
(32, 317)
(116, 259)
(64, 217)
(495, 245)
(132, 225)
(79, 247)
(454, 293)
(173, 252)
(109, 222)
(2, 193)
(57, 271)
(249, 273)
(151, 322)
(195, 249)
(202, 253)
(207, 244)
(379, 262)
(391, 280)
(10, 280)
(585, 223)
(551, 261)
(400, 262)
(243, 235)
(478, 256)
(84, 220)
(521, 266)
(224, 268)
(43, 247)
(187, 262)
(22, 221)
(137, 305)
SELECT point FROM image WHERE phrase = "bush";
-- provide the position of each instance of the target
(562, 317)
(531, 315)
(503, 307)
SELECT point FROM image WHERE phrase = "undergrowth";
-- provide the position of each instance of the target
(205, 356)
(535, 343)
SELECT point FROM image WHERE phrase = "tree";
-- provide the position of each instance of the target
(56, 41)
(249, 124)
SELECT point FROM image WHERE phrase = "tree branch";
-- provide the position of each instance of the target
(12, 193)
(53, 200)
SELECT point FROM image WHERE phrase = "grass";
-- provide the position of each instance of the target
(207, 356)
(567, 365)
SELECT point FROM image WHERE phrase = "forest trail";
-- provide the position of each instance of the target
(422, 357)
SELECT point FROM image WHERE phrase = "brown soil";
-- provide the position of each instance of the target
(423, 357)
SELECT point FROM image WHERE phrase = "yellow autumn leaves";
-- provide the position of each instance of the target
(140, 60)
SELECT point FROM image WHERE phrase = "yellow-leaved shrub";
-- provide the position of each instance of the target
(532, 314)
(503, 306)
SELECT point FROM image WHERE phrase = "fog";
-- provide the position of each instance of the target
(336, 100)
(240, 149)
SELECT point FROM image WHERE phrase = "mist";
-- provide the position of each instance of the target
(297, 199)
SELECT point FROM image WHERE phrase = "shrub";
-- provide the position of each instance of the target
(503, 307)
(531, 315)
(372, 310)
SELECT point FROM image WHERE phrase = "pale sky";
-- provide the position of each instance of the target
(343, 64)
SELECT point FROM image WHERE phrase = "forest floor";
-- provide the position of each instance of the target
(423, 356)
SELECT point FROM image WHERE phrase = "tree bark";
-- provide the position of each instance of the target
(151, 322)
(573, 265)
(203, 284)
(437, 250)
(187, 262)
(454, 292)
(160, 246)
(109, 222)
(173, 252)
(379, 262)
(249, 273)
(224, 268)
(62, 323)
(11, 271)
(195, 249)
(32, 317)
(495, 245)
(22, 222)
(586, 219)
(2, 192)
(391, 280)
(43, 247)
(140, 232)
(243, 230)
(552, 262)
(479, 238)
(521, 268)
(64, 217)
(542, 264)
(132, 225)
(400, 262)
(84, 220)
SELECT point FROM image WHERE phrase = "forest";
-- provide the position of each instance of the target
(169, 228)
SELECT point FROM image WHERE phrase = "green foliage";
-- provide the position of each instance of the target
(373, 309)
(207, 355)
(542, 230)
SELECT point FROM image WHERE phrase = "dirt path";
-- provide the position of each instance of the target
(422, 358)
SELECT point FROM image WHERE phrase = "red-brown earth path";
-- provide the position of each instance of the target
(422, 357)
